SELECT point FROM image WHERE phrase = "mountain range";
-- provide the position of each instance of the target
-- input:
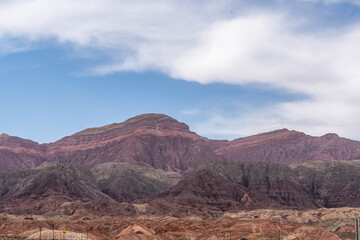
(161, 142)
(153, 164)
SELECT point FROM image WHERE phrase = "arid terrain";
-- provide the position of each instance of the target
(150, 177)
(257, 224)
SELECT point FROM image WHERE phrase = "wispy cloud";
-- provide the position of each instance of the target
(207, 42)
(191, 112)
(124, 26)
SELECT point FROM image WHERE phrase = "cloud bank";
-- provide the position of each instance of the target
(210, 42)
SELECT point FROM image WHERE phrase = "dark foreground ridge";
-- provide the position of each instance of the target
(217, 187)
(55, 188)
(214, 188)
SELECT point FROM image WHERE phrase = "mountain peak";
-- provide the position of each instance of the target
(280, 130)
(270, 136)
(3, 135)
(151, 116)
(154, 140)
(160, 121)
(283, 131)
(330, 136)
(150, 120)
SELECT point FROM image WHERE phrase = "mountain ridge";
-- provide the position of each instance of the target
(153, 140)
(70, 188)
(212, 189)
(287, 146)
(159, 141)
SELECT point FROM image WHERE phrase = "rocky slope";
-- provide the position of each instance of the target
(126, 182)
(106, 189)
(285, 147)
(48, 186)
(19, 153)
(209, 191)
(332, 184)
(218, 187)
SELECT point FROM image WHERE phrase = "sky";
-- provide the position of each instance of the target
(228, 69)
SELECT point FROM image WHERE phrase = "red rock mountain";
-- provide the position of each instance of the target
(19, 153)
(159, 141)
(153, 140)
(285, 147)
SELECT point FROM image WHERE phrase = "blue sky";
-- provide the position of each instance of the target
(226, 68)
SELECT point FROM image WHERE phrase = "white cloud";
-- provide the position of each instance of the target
(9, 46)
(266, 49)
(203, 41)
(109, 24)
(312, 117)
